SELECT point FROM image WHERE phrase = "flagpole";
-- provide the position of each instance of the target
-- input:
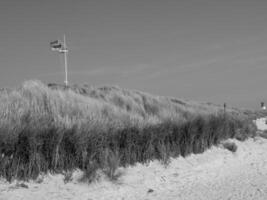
(65, 51)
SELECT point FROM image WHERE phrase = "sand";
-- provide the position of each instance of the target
(261, 123)
(216, 174)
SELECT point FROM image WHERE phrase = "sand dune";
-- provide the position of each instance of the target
(215, 174)
(261, 123)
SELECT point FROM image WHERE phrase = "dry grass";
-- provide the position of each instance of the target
(59, 129)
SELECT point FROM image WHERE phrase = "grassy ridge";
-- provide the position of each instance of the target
(55, 128)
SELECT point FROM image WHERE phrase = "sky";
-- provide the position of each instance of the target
(203, 50)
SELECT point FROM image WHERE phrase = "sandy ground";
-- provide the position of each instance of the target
(261, 123)
(215, 174)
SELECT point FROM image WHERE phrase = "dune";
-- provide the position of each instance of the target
(215, 174)
(261, 123)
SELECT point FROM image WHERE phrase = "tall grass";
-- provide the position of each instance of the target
(59, 129)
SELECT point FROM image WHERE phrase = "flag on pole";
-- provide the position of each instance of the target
(54, 42)
(61, 48)
(58, 46)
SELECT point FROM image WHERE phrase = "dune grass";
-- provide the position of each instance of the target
(53, 128)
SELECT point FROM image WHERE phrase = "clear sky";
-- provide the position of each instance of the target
(206, 50)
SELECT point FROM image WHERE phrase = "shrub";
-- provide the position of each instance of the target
(111, 164)
(90, 173)
(231, 146)
(68, 176)
(264, 134)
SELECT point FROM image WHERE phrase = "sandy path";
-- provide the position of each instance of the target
(215, 174)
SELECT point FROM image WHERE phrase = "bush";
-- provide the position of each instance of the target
(68, 176)
(231, 146)
(264, 134)
(90, 173)
(111, 164)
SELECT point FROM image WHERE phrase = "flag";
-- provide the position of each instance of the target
(58, 46)
(54, 42)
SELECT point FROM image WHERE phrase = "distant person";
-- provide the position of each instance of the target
(263, 107)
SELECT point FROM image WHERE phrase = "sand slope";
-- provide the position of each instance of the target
(261, 123)
(215, 174)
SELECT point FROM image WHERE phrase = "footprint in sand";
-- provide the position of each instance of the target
(175, 174)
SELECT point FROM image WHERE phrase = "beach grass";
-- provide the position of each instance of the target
(53, 128)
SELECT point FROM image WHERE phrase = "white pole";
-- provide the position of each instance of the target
(65, 51)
